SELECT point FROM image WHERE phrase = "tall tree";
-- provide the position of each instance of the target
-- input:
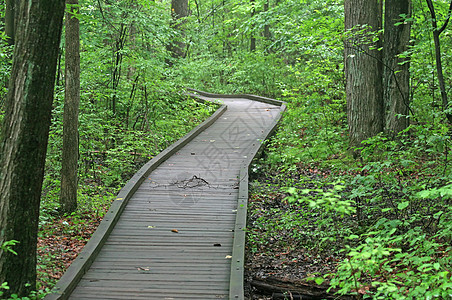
(24, 136)
(363, 70)
(179, 11)
(253, 37)
(439, 65)
(267, 26)
(68, 192)
(396, 69)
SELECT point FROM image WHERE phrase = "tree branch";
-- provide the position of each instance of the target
(447, 20)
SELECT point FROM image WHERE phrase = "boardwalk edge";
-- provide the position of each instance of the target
(67, 283)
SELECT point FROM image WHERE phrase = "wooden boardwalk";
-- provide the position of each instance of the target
(179, 234)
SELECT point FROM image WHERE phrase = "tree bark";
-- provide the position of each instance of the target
(396, 70)
(68, 192)
(363, 70)
(253, 38)
(24, 136)
(11, 13)
(179, 10)
(267, 34)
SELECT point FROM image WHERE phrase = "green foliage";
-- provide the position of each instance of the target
(251, 73)
(389, 264)
(33, 295)
(314, 125)
(329, 201)
(110, 154)
(388, 215)
(8, 246)
(5, 59)
(426, 105)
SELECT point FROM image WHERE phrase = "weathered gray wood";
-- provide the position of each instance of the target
(236, 284)
(69, 280)
(175, 227)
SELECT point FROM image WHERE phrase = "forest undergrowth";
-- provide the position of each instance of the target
(322, 223)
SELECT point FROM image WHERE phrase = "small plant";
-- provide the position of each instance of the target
(330, 200)
(8, 246)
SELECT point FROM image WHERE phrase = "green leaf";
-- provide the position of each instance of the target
(403, 205)
(319, 280)
(423, 194)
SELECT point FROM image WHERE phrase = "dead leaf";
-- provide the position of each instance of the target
(363, 290)
(175, 230)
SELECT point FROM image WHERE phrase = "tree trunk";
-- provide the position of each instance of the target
(439, 65)
(363, 70)
(396, 82)
(68, 193)
(11, 14)
(267, 34)
(24, 136)
(253, 38)
(118, 46)
(179, 10)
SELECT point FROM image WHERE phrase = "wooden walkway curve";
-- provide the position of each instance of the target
(176, 230)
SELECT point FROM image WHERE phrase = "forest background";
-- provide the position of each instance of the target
(371, 218)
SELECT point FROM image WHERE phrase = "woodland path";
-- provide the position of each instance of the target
(176, 230)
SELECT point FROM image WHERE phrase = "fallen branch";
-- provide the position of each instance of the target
(280, 289)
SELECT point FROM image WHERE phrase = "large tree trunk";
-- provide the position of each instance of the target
(68, 193)
(24, 136)
(396, 70)
(363, 71)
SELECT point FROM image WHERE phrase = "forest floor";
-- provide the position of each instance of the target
(60, 241)
(277, 264)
